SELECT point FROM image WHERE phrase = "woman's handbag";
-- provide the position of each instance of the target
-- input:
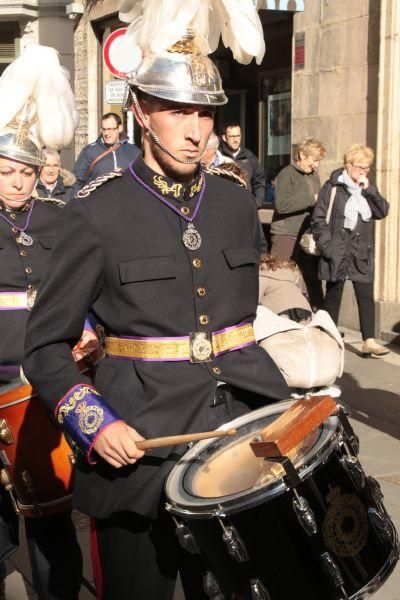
(307, 241)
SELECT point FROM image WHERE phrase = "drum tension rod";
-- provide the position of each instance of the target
(352, 438)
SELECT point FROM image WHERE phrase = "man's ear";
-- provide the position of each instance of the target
(142, 115)
(223, 137)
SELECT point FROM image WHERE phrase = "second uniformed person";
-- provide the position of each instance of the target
(166, 258)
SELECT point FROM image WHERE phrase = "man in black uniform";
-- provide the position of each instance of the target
(166, 258)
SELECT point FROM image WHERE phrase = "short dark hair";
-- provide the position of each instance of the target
(116, 117)
(229, 125)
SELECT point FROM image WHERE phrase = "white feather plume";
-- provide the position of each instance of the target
(37, 76)
(155, 25)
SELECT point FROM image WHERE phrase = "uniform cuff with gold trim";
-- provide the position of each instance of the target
(84, 414)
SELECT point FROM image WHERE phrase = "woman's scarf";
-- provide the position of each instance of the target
(356, 204)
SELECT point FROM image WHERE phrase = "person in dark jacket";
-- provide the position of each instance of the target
(232, 147)
(345, 242)
(296, 191)
(167, 257)
(109, 152)
(28, 228)
(53, 182)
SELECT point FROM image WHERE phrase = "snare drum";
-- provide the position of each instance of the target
(328, 537)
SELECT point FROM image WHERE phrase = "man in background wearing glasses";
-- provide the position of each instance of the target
(232, 146)
(109, 152)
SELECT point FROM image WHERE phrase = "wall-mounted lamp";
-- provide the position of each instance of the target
(74, 9)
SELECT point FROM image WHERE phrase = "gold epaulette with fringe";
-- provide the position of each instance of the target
(55, 201)
(93, 185)
(227, 174)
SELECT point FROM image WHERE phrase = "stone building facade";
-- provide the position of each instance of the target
(331, 70)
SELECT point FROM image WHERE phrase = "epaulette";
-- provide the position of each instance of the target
(55, 201)
(227, 174)
(93, 185)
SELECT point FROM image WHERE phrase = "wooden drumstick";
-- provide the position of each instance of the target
(174, 440)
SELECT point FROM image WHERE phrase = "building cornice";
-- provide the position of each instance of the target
(31, 8)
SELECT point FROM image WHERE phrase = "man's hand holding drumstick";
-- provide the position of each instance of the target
(120, 445)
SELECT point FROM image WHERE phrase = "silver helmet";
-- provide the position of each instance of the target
(19, 145)
(181, 74)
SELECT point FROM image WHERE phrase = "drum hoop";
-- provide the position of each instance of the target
(379, 579)
(238, 502)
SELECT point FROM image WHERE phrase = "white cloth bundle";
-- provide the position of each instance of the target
(308, 356)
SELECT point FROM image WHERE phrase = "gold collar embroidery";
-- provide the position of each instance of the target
(165, 189)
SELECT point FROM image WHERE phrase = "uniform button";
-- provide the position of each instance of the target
(216, 370)
(204, 319)
(14, 230)
(201, 292)
(12, 216)
(197, 263)
(22, 253)
(28, 270)
(185, 210)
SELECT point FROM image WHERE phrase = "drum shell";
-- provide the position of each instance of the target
(38, 461)
(281, 555)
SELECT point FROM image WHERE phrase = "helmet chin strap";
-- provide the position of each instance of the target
(159, 143)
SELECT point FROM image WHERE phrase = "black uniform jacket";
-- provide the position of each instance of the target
(120, 255)
(345, 254)
(21, 267)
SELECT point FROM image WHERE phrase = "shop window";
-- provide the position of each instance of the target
(275, 122)
(9, 44)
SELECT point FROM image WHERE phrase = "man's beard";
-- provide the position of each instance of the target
(171, 167)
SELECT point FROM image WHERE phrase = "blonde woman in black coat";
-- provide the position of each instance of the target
(346, 241)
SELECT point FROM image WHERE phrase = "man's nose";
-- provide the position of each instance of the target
(193, 131)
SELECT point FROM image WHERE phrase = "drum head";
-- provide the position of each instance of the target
(224, 474)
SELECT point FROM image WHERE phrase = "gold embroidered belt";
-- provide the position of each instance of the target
(196, 347)
(18, 300)
(13, 301)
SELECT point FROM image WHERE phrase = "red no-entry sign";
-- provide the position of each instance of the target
(120, 55)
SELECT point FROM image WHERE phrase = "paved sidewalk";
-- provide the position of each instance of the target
(371, 387)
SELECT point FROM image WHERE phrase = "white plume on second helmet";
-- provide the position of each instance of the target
(37, 105)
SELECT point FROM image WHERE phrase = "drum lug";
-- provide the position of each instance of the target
(305, 514)
(258, 591)
(233, 542)
(333, 571)
(381, 523)
(184, 535)
(354, 470)
(28, 482)
(6, 436)
(211, 587)
(5, 480)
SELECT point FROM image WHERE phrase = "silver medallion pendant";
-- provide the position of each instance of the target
(24, 239)
(191, 238)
